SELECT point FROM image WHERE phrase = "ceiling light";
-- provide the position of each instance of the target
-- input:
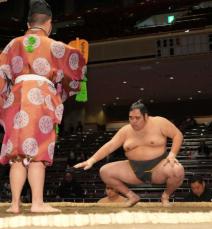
(124, 82)
(178, 99)
(187, 31)
(199, 91)
(190, 98)
(142, 89)
(103, 104)
(117, 98)
(171, 77)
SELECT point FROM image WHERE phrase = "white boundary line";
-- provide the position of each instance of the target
(123, 217)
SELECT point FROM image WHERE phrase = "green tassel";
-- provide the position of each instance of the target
(57, 130)
(82, 95)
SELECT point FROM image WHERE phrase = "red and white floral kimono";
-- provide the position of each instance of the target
(30, 67)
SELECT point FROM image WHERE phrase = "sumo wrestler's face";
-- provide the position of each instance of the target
(111, 192)
(137, 119)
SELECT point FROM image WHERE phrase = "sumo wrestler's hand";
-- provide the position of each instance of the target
(86, 164)
(171, 158)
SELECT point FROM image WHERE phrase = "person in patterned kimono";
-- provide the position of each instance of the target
(32, 68)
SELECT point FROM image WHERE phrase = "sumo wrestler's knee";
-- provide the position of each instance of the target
(178, 171)
(105, 172)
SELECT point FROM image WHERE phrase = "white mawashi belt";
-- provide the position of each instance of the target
(28, 77)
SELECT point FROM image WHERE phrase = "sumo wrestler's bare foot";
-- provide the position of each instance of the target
(132, 199)
(43, 208)
(13, 209)
(165, 200)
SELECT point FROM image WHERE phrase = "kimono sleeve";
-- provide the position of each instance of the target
(5, 70)
(71, 67)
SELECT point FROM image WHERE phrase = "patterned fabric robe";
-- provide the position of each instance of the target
(30, 109)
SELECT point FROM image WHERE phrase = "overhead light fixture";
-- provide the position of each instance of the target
(170, 19)
(124, 82)
(178, 99)
(141, 89)
(199, 91)
(117, 98)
